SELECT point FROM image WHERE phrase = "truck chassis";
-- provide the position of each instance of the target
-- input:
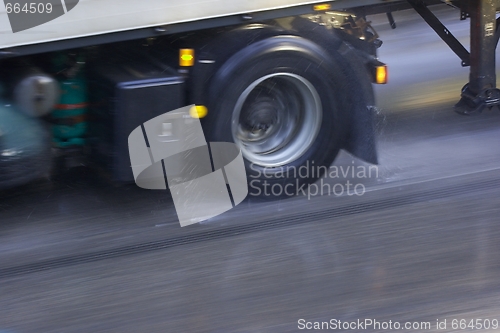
(333, 33)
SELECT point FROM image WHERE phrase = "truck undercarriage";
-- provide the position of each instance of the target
(288, 85)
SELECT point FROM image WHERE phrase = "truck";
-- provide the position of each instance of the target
(290, 82)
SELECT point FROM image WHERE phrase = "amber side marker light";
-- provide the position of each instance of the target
(198, 111)
(322, 7)
(381, 74)
(186, 57)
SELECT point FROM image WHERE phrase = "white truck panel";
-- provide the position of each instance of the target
(95, 17)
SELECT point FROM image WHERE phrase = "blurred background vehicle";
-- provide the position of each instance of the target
(25, 147)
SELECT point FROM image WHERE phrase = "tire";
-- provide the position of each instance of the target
(282, 102)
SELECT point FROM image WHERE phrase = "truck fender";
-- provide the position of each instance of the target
(360, 139)
(220, 47)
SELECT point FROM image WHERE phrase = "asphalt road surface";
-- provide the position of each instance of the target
(418, 248)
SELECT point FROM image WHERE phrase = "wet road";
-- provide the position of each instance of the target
(420, 246)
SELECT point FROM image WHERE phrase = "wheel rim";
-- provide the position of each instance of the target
(276, 119)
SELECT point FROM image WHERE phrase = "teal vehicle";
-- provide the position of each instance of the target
(25, 148)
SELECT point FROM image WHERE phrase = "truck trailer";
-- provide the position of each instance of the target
(289, 82)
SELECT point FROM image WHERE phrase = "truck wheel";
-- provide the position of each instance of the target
(281, 102)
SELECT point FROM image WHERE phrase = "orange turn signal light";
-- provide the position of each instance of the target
(186, 57)
(322, 7)
(381, 74)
